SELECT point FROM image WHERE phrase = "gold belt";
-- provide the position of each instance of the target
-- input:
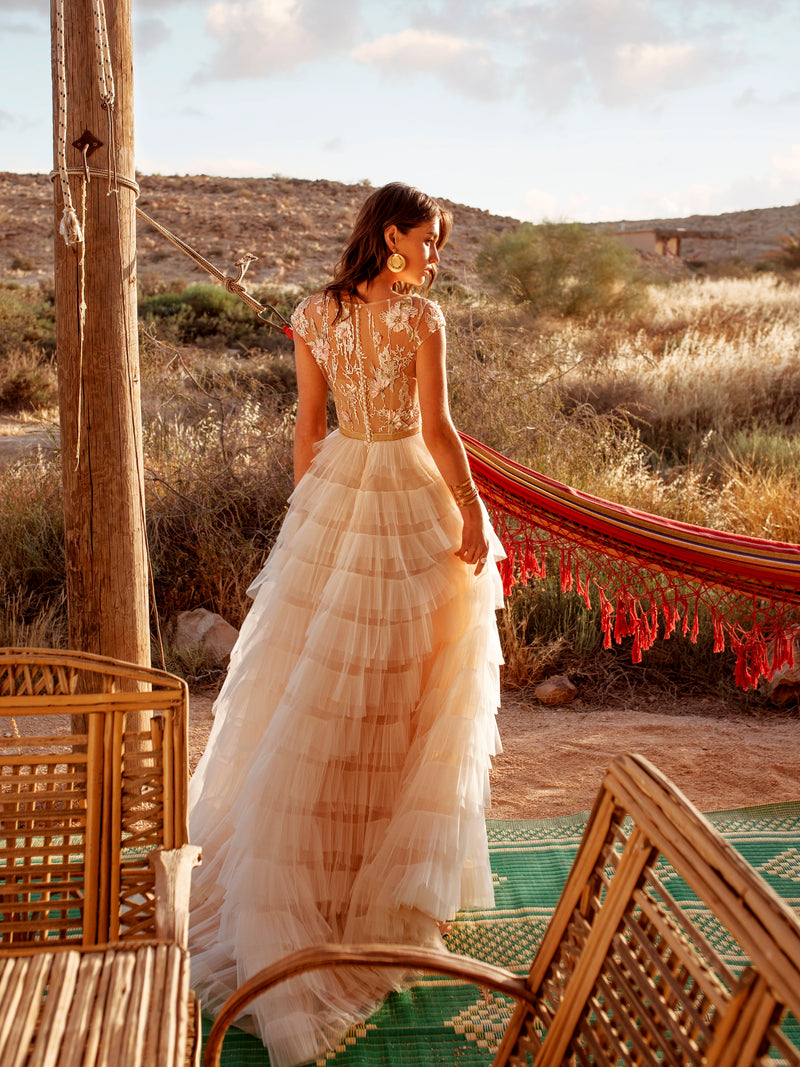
(396, 435)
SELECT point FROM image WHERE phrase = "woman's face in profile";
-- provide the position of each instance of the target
(419, 247)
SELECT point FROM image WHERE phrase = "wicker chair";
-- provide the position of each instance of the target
(623, 974)
(94, 863)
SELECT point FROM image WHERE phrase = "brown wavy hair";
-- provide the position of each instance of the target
(366, 254)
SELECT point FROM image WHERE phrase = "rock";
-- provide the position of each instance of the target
(556, 690)
(207, 629)
(784, 686)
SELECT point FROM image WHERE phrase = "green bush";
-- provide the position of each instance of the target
(561, 268)
(206, 314)
(27, 318)
(201, 312)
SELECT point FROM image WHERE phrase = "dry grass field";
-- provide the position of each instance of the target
(686, 405)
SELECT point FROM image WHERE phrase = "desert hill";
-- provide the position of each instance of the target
(297, 228)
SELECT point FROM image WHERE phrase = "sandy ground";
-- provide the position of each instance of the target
(554, 757)
(19, 437)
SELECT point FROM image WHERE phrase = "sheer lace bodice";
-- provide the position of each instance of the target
(368, 357)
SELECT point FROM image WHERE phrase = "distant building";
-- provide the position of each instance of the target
(667, 242)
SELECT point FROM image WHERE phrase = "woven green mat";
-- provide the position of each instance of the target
(440, 1023)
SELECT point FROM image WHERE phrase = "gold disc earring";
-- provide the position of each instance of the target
(396, 262)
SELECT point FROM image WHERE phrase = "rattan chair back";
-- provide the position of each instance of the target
(80, 812)
(641, 963)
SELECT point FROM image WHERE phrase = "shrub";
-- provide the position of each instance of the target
(217, 488)
(23, 263)
(32, 569)
(790, 250)
(207, 314)
(546, 631)
(27, 381)
(27, 316)
(201, 312)
(562, 268)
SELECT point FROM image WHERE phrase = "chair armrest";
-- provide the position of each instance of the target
(173, 871)
(397, 956)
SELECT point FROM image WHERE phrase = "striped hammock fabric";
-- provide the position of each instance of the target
(648, 573)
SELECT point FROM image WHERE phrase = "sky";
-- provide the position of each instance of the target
(587, 110)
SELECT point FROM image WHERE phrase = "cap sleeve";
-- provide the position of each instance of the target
(431, 320)
(300, 322)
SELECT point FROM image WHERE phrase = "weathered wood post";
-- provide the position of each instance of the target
(98, 355)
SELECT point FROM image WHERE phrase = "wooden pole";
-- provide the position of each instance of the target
(98, 360)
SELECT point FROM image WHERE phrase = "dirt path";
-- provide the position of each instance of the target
(554, 758)
(20, 437)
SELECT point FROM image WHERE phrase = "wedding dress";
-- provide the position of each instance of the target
(341, 796)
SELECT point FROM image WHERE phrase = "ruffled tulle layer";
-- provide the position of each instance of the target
(341, 795)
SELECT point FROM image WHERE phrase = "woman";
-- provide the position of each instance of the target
(341, 795)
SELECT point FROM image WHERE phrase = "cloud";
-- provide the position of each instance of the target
(36, 25)
(149, 33)
(617, 52)
(39, 7)
(700, 198)
(652, 65)
(466, 66)
(778, 186)
(538, 205)
(257, 38)
(750, 98)
(6, 120)
(788, 167)
(229, 167)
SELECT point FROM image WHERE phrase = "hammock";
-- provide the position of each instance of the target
(644, 568)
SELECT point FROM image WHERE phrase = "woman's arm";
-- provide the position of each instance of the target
(445, 445)
(312, 398)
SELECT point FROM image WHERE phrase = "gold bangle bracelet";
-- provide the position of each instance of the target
(462, 488)
(466, 497)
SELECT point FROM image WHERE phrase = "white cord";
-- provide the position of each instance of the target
(70, 228)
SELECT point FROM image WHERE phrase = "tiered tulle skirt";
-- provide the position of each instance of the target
(341, 796)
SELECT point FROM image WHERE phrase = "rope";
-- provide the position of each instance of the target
(81, 323)
(233, 285)
(70, 228)
(105, 73)
(105, 81)
(97, 172)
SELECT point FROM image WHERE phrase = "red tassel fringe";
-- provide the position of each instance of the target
(650, 575)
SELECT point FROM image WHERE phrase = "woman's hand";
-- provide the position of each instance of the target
(474, 542)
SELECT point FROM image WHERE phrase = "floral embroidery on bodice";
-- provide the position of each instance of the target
(368, 357)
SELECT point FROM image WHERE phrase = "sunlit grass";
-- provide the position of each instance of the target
(688, 408)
